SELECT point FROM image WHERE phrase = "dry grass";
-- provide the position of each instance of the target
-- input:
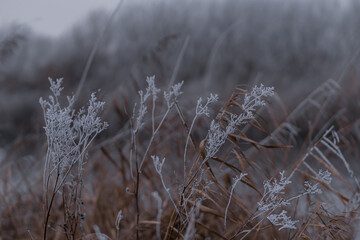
(276, 140)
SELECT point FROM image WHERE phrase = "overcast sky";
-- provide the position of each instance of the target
(53, 17)
(49, 17)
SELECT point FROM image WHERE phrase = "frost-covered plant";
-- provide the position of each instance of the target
(321, 176)
(331, 144)
(235, 181)
(353, 209)
(324, 176)
(151, 90)
(200, 110)
(194, 216)
(137, 122)
(158, 167)
(170, 97)
(274, 198)
(69, 134)
(282, 220)
(139, 114)
(204, 109)
(273, 189)
(217, 136)
(154, 91)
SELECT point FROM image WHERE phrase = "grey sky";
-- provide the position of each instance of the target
(53, 17)
(49, 17)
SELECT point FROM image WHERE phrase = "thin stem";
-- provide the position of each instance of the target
(249, 231)
(186, 144)
(153, 115)
(236, 180)
(50, 206)
(153, 137)
(137, 200)
(171, 198)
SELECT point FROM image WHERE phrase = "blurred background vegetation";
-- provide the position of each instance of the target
(292, 45)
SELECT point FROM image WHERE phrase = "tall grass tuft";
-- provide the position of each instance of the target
(69, 135)
(179, 168)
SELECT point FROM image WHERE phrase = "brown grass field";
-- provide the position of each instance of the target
(151, 160)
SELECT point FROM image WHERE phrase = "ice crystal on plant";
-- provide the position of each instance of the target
(235, 181)
(142, 110)
(151, 87)
(68, 133)
(158, 163)
(204, 109)
(55, 87)
(200, 110)
(216, 139)
(272, 190)
(172, 95)
(217, 136)
(311, 188)
(255, 98)
(324, 176)
(282, 220)
(194, 216)
(158, 167)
